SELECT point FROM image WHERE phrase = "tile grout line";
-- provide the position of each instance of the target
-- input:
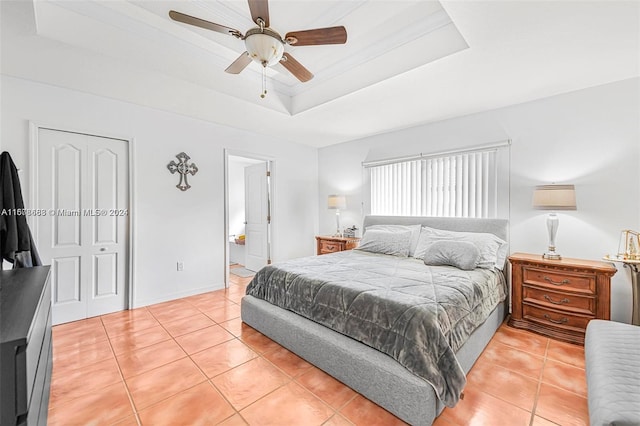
(548, 358)
(124, 382)
(522, 350)
(349, 401)
(545, 357)
(291, 379)
(229, 300)
(535, 401)
(210, 379)
(181, 348)
(501, 398)
(259, 355)
(99, 319)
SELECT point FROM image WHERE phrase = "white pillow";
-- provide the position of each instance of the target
(492, 249)
(502, 254)
(395, 243)
(415, 233)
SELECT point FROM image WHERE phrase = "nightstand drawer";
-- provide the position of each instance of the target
(329, 247)
(555, 318)
(560, 280)
(564, 301)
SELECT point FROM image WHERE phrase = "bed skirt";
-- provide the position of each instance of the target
(371, 373)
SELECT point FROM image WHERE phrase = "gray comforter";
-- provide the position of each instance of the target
(419, 315)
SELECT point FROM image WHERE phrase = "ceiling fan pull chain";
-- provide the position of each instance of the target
(264, 81)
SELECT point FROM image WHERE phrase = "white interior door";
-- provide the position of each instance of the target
(256, 216)
(83, 183)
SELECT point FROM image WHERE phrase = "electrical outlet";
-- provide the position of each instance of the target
(180, 266)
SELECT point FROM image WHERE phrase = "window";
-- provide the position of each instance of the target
(457, 184)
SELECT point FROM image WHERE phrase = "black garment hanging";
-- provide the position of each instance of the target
(16, 243)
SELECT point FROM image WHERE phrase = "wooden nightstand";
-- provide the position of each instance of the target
(326, 244)
(558, 298)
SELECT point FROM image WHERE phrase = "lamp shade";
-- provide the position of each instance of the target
(336, 202)
(554, 197)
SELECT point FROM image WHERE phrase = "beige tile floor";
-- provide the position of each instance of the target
(192, 362)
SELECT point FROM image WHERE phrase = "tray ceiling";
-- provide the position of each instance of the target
(405, 63)
(384, 39)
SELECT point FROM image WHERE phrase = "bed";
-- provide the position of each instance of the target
(323, 309)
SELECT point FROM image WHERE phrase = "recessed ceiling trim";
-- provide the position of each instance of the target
(119, 28)
(520, 51)
(54, 22)
(131, 20)
(442, 43)
(395, 40)
(221, 12)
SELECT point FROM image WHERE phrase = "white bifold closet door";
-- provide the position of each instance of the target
(83, 184)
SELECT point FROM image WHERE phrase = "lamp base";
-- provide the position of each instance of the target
(552, 228)
(552, 255)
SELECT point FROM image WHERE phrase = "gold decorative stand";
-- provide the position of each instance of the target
(635, 282)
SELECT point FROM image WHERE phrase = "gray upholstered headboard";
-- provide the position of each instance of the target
(498, 227)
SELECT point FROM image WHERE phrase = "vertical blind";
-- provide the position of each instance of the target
(456, 185)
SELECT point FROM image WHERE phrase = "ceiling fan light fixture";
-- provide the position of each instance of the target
(264, 46)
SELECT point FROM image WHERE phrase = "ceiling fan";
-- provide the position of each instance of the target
(264, 45)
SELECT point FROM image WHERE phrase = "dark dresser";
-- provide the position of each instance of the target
(25, 346)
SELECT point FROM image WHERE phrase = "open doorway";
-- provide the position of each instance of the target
(248, 215)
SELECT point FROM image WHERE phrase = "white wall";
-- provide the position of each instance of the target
(590, 138)
(171, 225)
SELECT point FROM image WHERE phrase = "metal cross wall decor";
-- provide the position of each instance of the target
(184, 169)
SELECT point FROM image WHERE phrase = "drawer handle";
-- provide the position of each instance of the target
(562, 321)
(563, 282)
(547, 298)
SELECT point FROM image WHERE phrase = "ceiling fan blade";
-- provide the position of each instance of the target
(295, 68)
(259, 9)
(239, 64)
(192, 20)
(331, 35)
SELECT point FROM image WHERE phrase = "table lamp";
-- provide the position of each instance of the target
(337, 202)
(554, 197)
